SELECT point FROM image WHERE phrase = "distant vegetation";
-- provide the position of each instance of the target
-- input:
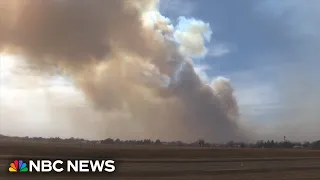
(200, 142)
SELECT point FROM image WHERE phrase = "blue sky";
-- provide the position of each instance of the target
(269, 50)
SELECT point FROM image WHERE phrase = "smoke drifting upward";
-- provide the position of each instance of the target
(125, 57)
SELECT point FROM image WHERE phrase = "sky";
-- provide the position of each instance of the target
(269, 50)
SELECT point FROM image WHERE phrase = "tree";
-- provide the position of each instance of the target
(260, 144)
(201, 142)
(158, 142)
(316, 145)
(117, 141)
(306, 144)
(230, 144)
(272, 144)
(286, 144)
(242, 145)
(107, 141)
(147, 141)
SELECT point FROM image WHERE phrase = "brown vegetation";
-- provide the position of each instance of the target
(174, 162)
(144, 151)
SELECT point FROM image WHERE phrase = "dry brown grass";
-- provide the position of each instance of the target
(144, 152)
(180, 163)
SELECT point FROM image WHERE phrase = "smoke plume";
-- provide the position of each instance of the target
(126, 58)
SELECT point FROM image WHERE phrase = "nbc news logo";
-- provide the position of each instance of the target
(62, 166)
(18, 166)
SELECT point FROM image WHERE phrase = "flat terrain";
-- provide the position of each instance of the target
(176, 163)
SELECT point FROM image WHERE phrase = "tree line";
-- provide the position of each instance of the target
(200, 142)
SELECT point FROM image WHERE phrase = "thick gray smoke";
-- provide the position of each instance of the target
(125, 57)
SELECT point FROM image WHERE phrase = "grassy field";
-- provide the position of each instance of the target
(174, 163)
(144, 151)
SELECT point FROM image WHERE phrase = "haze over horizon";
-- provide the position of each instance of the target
(178, 70)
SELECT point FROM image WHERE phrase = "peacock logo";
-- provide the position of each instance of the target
(18, 166)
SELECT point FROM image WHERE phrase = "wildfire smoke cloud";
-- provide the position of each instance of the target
(125, 56)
